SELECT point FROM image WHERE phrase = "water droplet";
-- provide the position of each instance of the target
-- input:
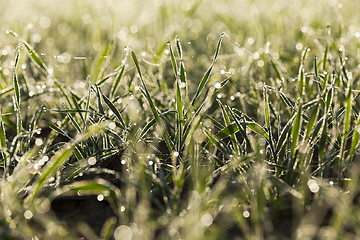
(100, 197)
(92, 161)
(207, 219)
(28, 214)
(246, 214)
(313, 186)
(39, 142)
(123, 232)
(112, 125)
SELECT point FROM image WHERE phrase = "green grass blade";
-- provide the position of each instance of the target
(100, 106)
(3, 146)
(61, 157)
(34, 56)
(87, 105)
(173, 60)
(15, 79)
(267, 121)
(312, 120)
(201, 86)
(114, 110)
(228, 122)
(295, 132)
(283, 135)
(355, 138)
(218, 47)
(255, 127)
(151, 103)
(325, 57)
(57, 129)
(206, 76)
(117, 82)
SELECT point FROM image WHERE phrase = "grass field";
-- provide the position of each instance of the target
(182, 119)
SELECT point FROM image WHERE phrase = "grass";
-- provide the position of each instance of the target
(244, 125)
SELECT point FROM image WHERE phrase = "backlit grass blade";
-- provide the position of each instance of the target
(283, 135)
(15, 79)
(3, 141)
(101, 109)
(113, 109)
(182, 73)
(90, 187)
(179, 101)
(173, 60)
(178, 47)
(61, 157)
(76, 102)
(201, 86)
(325, 57)
(5, 91)
(57, 129)
(347, 121)
(267, 121)
(227, 131)
(34, 56)
(301, 75)
(206, 76)
(312, 120)
(228, 122)
(179, 108)
(117, 82)
(217, 143)
(355, 138)
(151, 103)
(218, 47)
(258, 129)
(87, 105)
(295, 132)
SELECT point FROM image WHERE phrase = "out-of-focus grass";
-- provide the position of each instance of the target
(191, 119)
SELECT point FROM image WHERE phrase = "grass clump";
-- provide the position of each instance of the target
(110, 130)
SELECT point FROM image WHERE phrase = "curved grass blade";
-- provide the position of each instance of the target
(228, 122)
(283, 135)
(34, 56)
(61, 157)
(113, 109)
(3, 146)
(151, 103)
(355, 138)
(267, 120)
(295, 132)
(206, 76)
(312, 121)
(117, 82)
(255, 127)
(15, 79)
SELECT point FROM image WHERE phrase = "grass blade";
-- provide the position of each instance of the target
(255, 127)
(113, 109)
(151, 103)
(206, 76)
(117, 82)
(15, 79)
(295, 132)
